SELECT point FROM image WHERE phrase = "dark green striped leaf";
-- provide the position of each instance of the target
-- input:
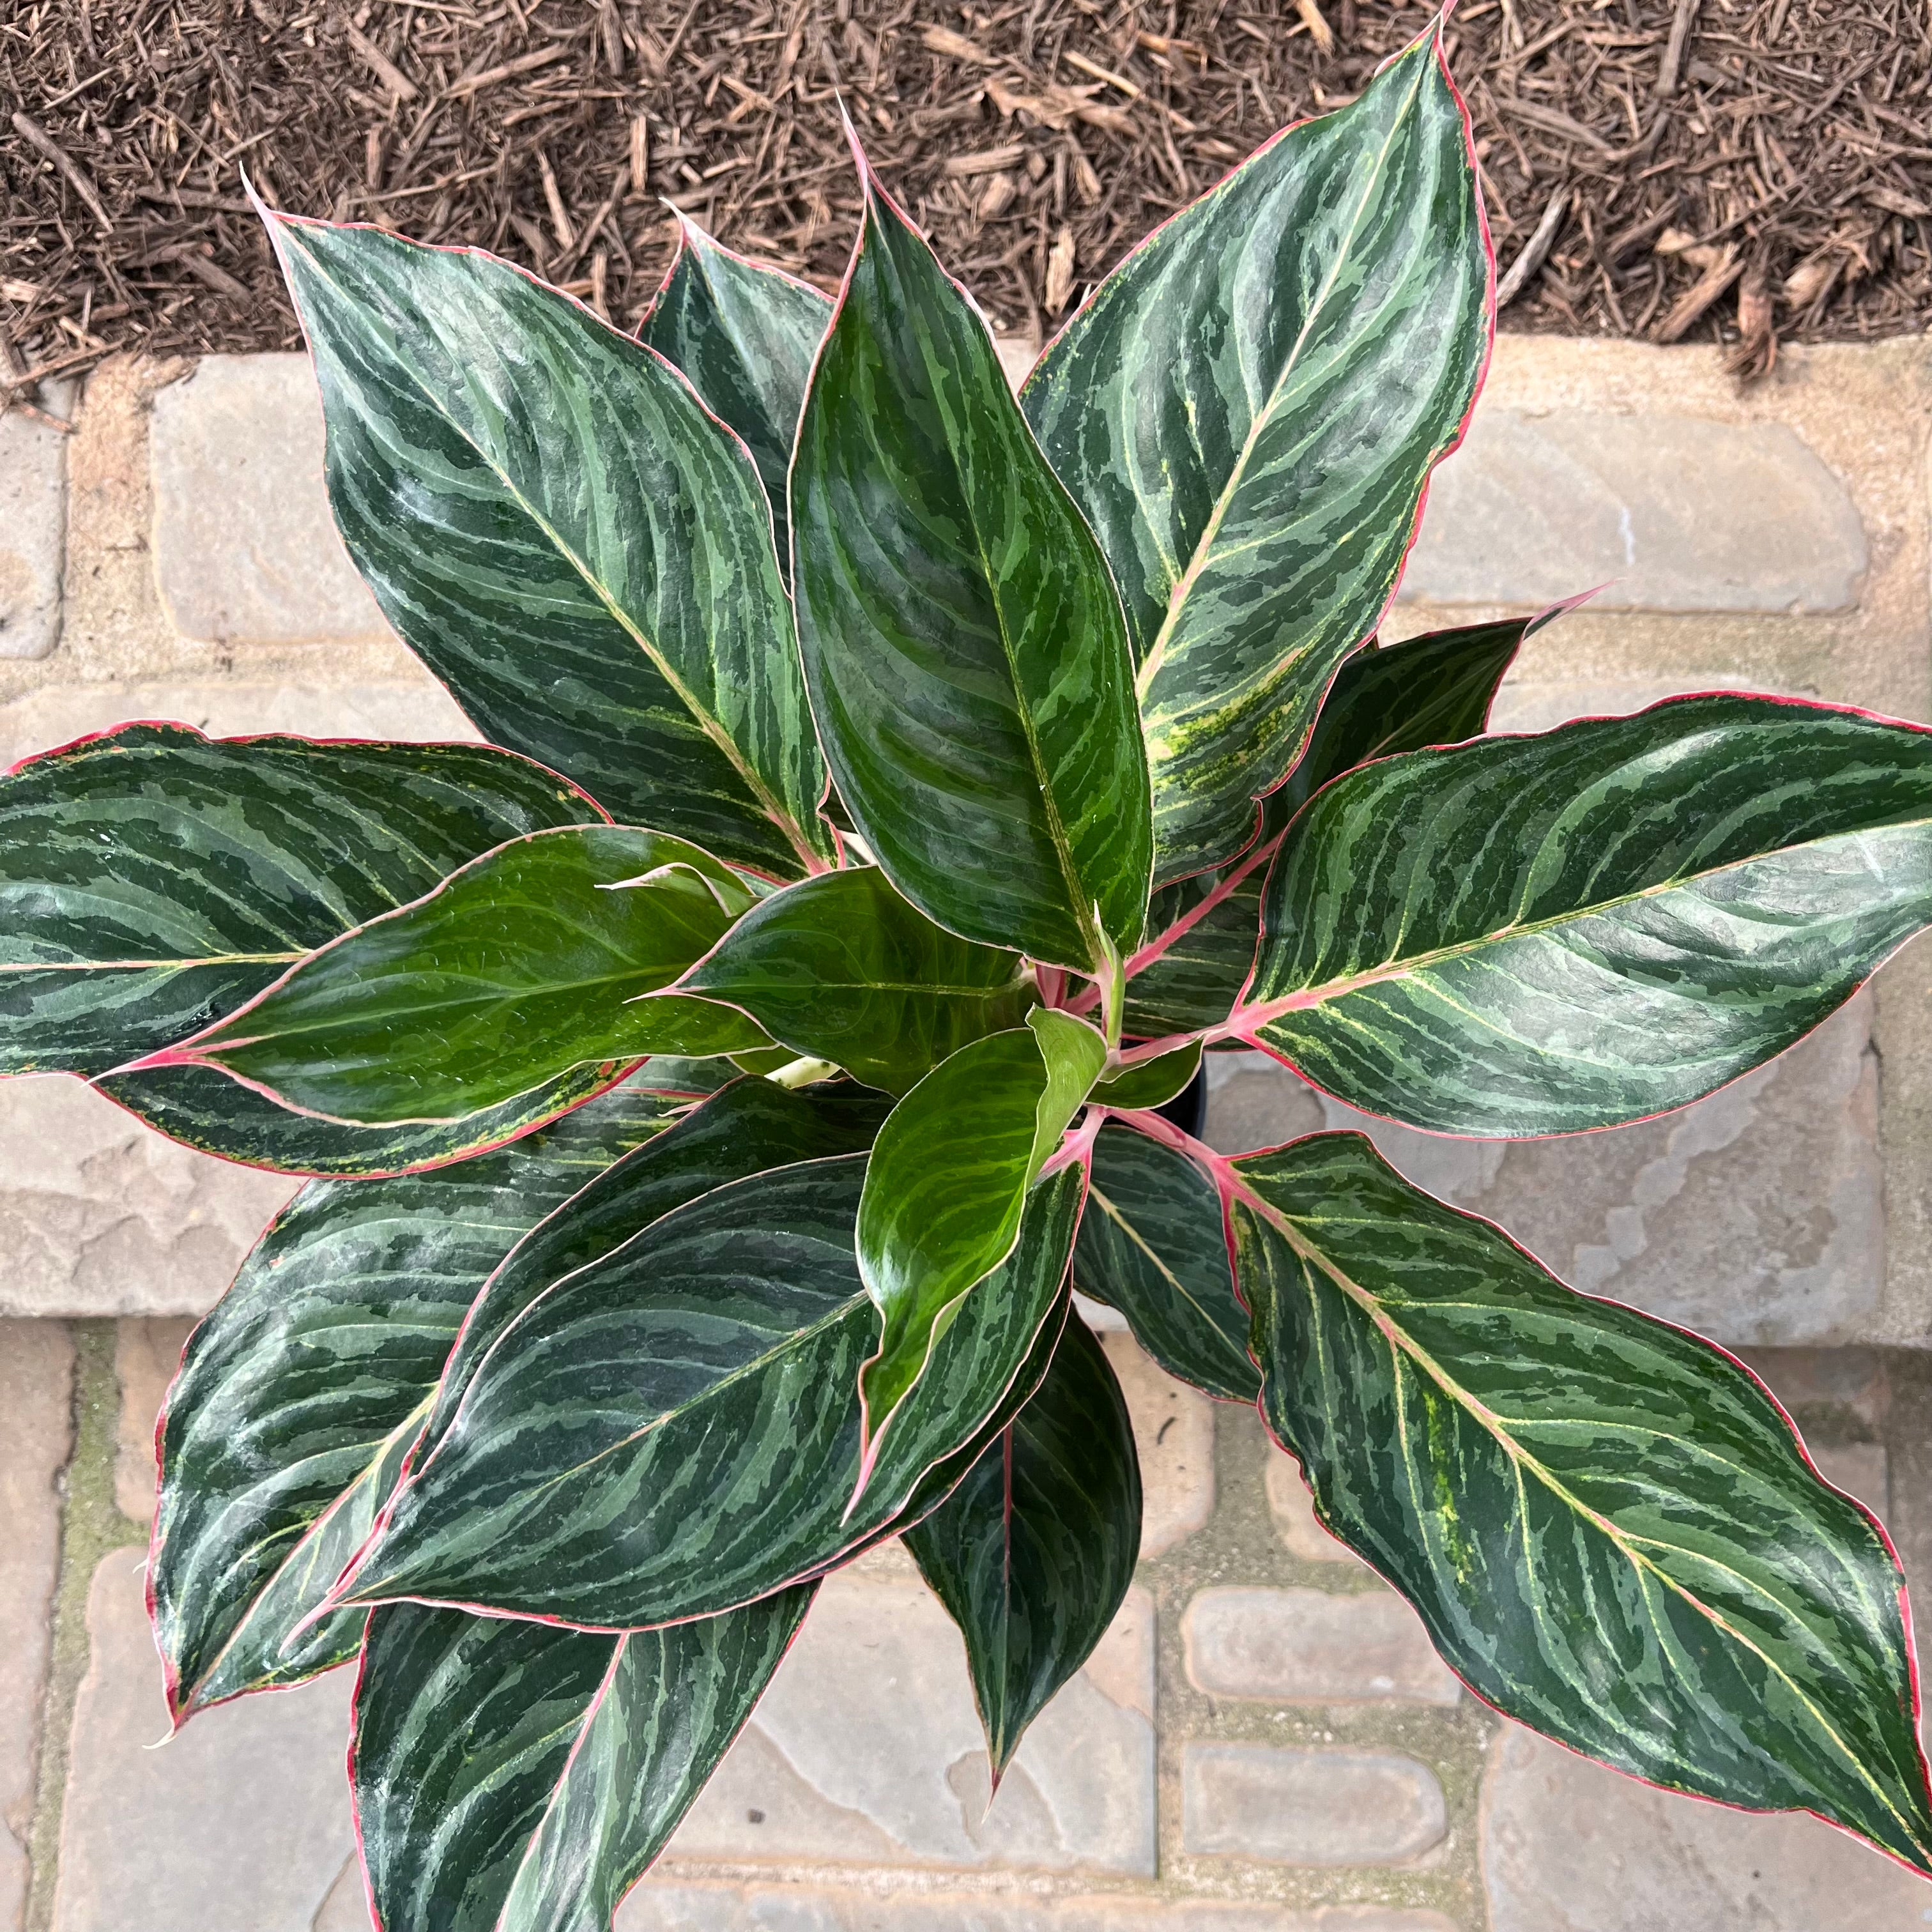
(745, 334)
(534, 959)
(1540, 935)
(1609, 1528)
(751, 1126)
(1153, 1083)
(304, 1388)
(1033, 1553)
(151, 879)
(1434, 689)
(511, 1777)
(1247, 411)
(1202, 932)
(843, 968)
(1152, 1245)
(674, 1430)
(202, 1107)
(564, 534)
(948, 1183)
(963, 641)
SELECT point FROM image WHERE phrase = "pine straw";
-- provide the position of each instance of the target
(1672, 169)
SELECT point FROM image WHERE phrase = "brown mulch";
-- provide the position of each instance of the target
(1673, 169)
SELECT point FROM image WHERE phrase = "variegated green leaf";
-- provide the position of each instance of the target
(152, 879)
(947, 1186)
(1247, 410)
(1434, 689)
(1202, 932)
(201, 1107)
(749, 1127)
(963, 642)
(745, 334)
(1033, 1553)
(512, 1777)
(1609, 1528)
(301, 1394)
(1540, 935)
(674, 1430)
(1151, 1245)
(564, 534)
(843, 968)
(534, 959)
(1153, 1083)
(277, 1457)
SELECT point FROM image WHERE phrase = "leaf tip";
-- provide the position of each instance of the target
(852, 141)
(269, 216)
(692, 234)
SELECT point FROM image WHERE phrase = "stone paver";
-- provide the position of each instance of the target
(1312, 1647)
(1309, 1808)
(36, 1437)
(112, 623)
(147, 1351)
(1173, 1433)
(866, 1749)
(33, 527)
(416, 711)
(1541, 704)
(101, 1215)
(1668, 512)
(1754, 1217)
(245, 551)
(1293, 1510)
(1567, 1844)
(670, 1905)
(241, 1824)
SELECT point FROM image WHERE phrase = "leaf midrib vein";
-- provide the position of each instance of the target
(1262, 1012)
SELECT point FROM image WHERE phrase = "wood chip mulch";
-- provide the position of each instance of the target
(1730, 170)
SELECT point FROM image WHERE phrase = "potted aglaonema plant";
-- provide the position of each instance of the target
(715, 1083)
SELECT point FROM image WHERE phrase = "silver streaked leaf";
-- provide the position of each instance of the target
(307, 1385)
(745, 334)
(1609, 1528)
(1247, 410)
(1545, 934)
(565, 535)
(674, 1430)
(512, 1777)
